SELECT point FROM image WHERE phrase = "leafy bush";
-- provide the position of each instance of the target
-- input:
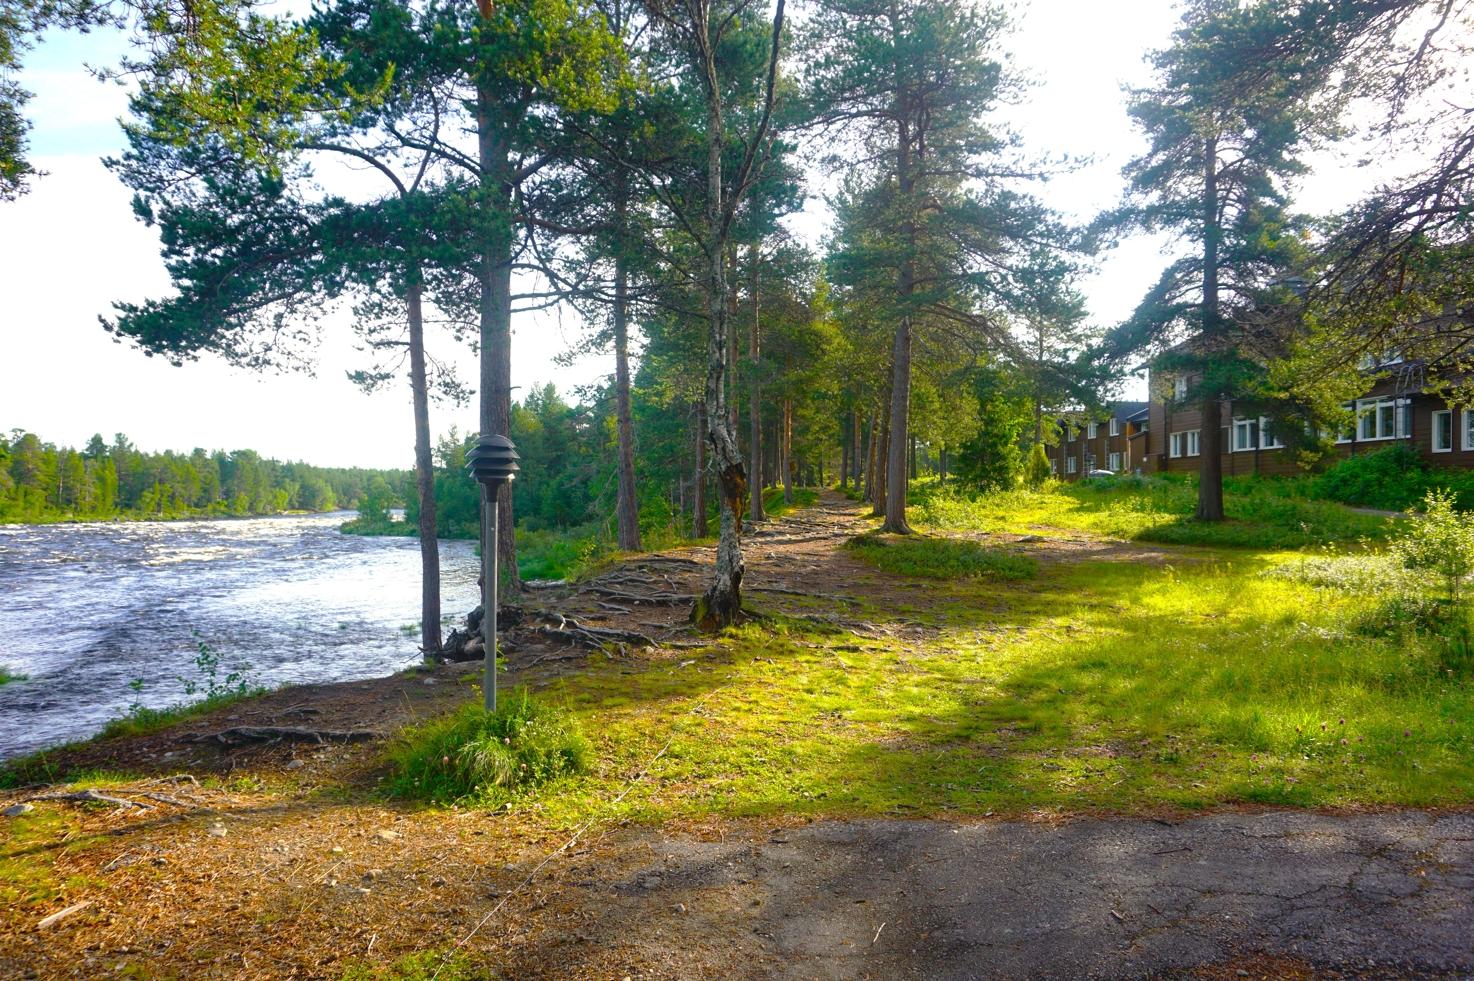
(940, 558)
(1441, 541)
(1404, 613)
(1393, 479)
(7, 676)
(473, 754)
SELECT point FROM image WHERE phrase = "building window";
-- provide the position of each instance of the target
(1115, 427)
(1092, 430)
(1179, 389)
(1072, 465)
(1115, 462)
(1185, 443)
(1382, 419)
(1053, 465)
(1468, 429)
(1267, 439)
(1348, 431)
(1443, 431)
(1245, 434)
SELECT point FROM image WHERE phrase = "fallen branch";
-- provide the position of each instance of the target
(241, 735)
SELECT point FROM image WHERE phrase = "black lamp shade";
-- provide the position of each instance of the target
(493, 460)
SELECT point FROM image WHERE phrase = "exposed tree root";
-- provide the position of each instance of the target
(241, 735)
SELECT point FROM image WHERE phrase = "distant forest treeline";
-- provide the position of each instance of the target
(45, 482)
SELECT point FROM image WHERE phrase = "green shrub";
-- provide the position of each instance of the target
(473, 754)
(7, 676)
(1440, 541)
(1393, 479)
(1405, 613)
(940, 558)
(1036, 468)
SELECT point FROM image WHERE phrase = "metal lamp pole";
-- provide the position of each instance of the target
(492, 462)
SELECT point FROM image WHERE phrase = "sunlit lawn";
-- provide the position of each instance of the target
(1103, 685)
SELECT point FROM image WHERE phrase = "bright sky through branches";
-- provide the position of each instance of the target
(72, 247)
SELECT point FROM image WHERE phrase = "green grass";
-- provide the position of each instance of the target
(1151, 509)
(424, 965)
(473, 755)
(939, 558)
(1097, 686)
(774, 506)
(140, 720)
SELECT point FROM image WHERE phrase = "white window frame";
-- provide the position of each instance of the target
(1468, 415)
(1113, 461)
(1249, 442)
(1179, 388)
(1092, 430)
(1186, 443)
(1267, 440)
(1347, 434)
(1053, 465)
(1446, 416)
(1072, 464)
(1115, 427)
(1374, 424)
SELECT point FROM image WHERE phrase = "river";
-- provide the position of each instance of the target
(87, 610)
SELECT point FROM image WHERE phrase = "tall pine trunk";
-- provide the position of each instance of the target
(754, 396)
(896, 438)
(627, 507)
(1210, 466)
(494, 161)
(844, 452)
(430, 640)
(787, 453)
(699, 528)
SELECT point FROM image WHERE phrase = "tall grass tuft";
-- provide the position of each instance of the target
(475, 755)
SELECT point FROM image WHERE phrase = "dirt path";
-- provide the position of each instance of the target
(288, 866)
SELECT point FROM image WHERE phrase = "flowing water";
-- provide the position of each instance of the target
(87, 611)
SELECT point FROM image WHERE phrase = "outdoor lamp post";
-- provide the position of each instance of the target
(493, 462)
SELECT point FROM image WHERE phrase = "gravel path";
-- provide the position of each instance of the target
(1284, 893)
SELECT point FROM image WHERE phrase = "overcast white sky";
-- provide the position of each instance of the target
(71, 248)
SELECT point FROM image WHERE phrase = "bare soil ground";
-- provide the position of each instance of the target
(289, 867)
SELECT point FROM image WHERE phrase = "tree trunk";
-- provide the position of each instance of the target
(896, 436)
(882, 467)
(754, 395)
(897, 433)
(1210, 466)
(627, 507)
(787, 457)
(699, 527)
(844, 453)
(496, 306)
(871, 442)
(430, 640)
(856, 451)
(913, 456)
